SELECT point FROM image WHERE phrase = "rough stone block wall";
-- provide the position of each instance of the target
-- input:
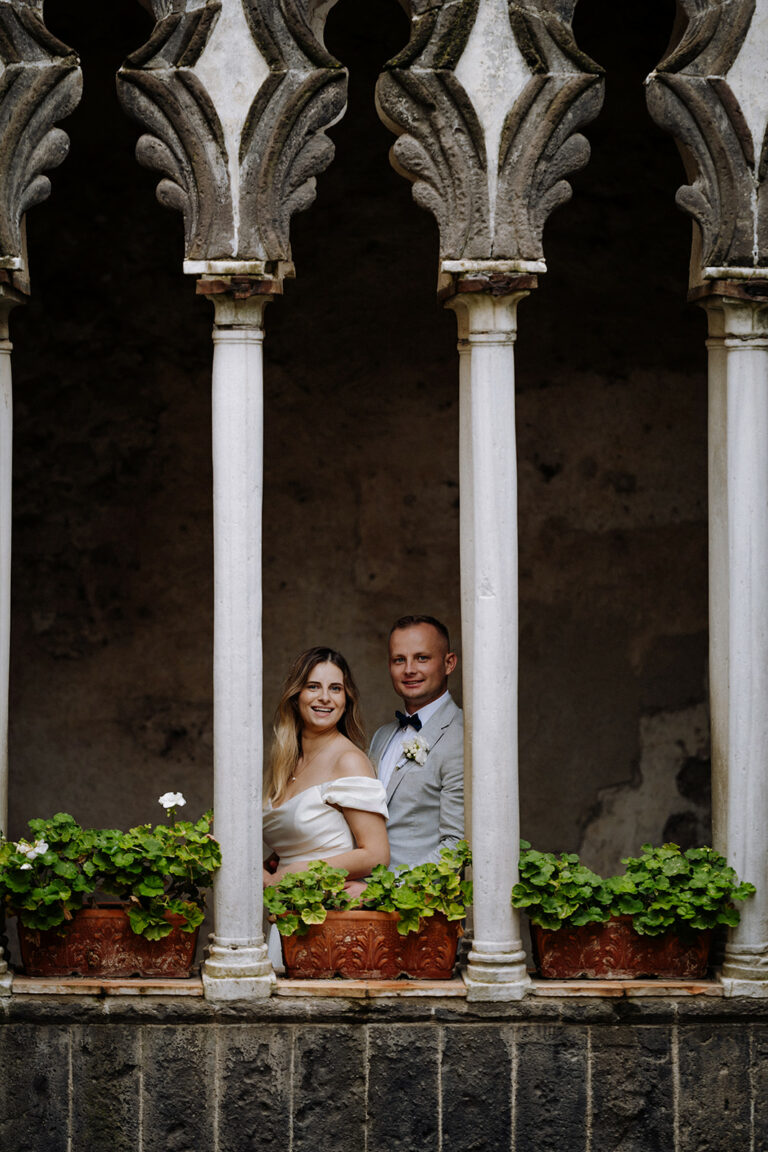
(292, 1075)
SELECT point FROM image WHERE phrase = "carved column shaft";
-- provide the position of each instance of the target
(8, 300)
(738, 384)
(235, 97)
(6, 479)
(487, 330)
(237, 964)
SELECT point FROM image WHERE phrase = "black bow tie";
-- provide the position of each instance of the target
(404, 720)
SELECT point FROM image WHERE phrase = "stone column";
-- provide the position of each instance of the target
(237, 964)
(8, 299)
(738, 569)
(487, 328)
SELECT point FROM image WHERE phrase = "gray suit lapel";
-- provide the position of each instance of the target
(381, 742)
(437, 724)
(431, 734)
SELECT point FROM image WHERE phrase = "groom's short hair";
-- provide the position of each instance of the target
(411, 621)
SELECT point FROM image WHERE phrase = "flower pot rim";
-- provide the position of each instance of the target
(101, 911)
(351, 913)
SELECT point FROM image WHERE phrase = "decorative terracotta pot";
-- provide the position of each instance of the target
(362, 945)
(614, 951)
(99, 942)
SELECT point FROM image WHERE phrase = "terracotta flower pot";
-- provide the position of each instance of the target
(361, 945)
(99, 942)
(615, 951)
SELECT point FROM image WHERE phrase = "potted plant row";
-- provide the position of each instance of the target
(407, 922)
(101, 902)
(655, 919)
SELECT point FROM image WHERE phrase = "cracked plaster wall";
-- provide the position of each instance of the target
(112, 631)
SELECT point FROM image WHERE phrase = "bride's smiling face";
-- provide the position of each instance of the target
(323, 699)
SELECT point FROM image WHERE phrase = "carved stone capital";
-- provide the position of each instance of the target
(709, 92)
(486, 100)
(40, 83)
(236, 96)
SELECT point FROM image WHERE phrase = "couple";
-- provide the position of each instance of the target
(325, 800)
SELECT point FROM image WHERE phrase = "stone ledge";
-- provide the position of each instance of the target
(367, 989)
(436, 1009)
(85, 986)
(371, 989)
(626, 988)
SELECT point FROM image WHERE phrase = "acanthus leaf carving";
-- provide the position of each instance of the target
(762, 196)
(187, 146)
(237, 186)
(283, 147)
(40, 84)
(441, 144)
(186, 141)
(441, 149)
(544, 33)
(540, 143)
(689, 96)
(491, 195)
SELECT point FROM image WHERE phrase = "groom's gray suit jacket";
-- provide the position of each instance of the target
(425, 802)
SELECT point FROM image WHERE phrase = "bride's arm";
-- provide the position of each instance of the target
(370, 833)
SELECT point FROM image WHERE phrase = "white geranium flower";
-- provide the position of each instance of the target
(31, 851)
(172, 800)
(25, 867)
(416, 750)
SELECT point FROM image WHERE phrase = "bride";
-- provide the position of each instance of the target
(322, 800)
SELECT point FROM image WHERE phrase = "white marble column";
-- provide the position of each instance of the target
(8, 300)
(487, 327)
(738, 575)
(237, 964)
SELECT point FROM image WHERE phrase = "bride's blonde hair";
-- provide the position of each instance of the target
(286, 746)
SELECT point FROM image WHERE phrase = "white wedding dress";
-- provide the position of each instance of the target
(310, 826)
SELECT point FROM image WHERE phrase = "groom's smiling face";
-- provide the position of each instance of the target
(419, 664)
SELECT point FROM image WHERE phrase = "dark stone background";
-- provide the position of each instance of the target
(111, 661)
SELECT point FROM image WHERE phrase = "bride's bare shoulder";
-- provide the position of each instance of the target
(352, 762)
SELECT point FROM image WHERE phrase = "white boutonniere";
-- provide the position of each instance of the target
(416, 749)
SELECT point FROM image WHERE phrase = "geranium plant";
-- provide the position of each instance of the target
(304, 898)
(664, 889)
(152, 871)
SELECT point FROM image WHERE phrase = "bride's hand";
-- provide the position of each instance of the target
(355, 887)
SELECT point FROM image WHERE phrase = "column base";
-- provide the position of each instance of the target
(496, 976)
(238, 973)
(753, 989)
(745, 970)
(6, 977)
(745, 962)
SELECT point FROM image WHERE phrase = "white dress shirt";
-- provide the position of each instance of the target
(394, 750)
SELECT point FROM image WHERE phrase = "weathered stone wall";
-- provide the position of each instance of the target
(678, 1075)
(112, 628)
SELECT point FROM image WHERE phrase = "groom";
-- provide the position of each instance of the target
(419, 757)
